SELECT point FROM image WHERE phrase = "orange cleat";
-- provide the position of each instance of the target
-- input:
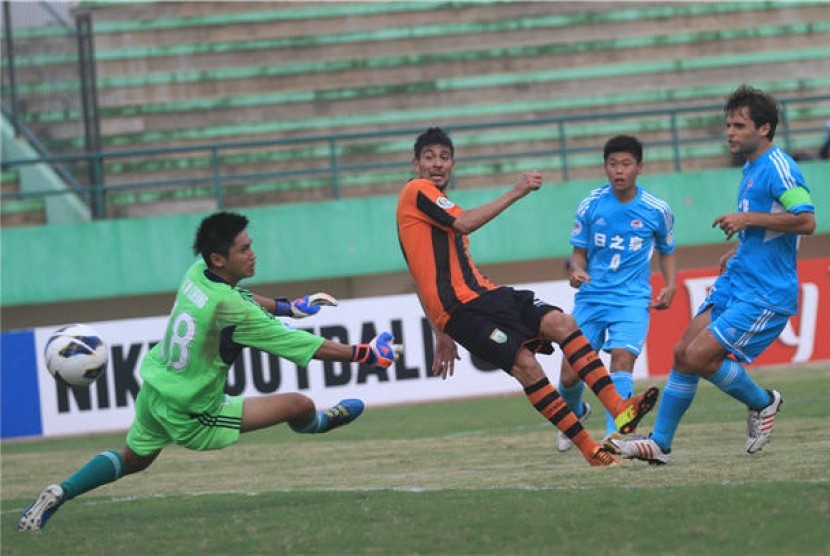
(636, 408)
(602, 457)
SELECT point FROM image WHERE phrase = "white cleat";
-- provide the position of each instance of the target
(563, 443)
(759, 424)
(35, 516)
(643, 448)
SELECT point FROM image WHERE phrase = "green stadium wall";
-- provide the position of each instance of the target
(335, 239)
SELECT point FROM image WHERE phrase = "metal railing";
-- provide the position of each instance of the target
(562, 141)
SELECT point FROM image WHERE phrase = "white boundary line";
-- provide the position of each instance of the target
(410, 490)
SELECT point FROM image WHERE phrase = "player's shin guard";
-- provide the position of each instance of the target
(587, 364)
(624, 384)
(311, 427)
(733, 379)
(678, 395)
(573, 396)
(104, 468)
(547, 401)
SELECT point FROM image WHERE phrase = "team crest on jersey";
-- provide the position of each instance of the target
(636, 224)
(498, 336)
(577, 228)
(444, 203)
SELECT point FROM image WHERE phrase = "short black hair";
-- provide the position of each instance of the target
(623, 144)
(217, 233)
(763, 109)
(433, 136)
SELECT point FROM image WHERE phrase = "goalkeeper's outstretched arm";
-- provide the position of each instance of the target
(300, 308)
(380, 352)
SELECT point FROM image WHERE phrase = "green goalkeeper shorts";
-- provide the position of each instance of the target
(157, 425)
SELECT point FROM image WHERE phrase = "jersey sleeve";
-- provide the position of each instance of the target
(797, 200)
(258, 329)
(664, 238)
(580, 233)
(788, 185)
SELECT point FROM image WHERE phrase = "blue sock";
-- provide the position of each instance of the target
(624, 383)
(573, 397)
(733, 379)
(677, 397)
(104, 468)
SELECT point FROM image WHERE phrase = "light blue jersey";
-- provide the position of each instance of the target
(763, 269)
(620, 239)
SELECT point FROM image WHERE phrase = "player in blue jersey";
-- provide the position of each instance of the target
(182, 398)
(616, 230)
(756, 292)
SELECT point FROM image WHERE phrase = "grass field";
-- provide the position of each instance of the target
(473, 477)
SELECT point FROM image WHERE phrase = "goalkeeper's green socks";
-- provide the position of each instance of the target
(312, 427)
(336, 416)
(104, 468)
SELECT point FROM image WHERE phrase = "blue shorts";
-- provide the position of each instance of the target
(744, 329)
(626, 326)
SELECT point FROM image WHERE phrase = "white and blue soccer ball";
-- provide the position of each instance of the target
(76, 354)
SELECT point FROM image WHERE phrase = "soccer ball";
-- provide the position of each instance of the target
(76, 354)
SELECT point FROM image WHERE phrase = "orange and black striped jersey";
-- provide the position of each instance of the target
(437, 255)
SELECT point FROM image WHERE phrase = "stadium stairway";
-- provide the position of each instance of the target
(175, 74)
(16, 212)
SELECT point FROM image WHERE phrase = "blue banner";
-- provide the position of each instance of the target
(19, 394)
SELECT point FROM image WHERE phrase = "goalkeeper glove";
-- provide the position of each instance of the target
(303, 306)
(379, 352)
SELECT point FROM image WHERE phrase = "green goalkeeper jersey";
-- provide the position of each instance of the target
(210, 323)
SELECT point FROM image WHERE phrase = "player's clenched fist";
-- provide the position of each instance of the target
(529, 181)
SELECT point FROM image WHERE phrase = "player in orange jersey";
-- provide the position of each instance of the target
(501, 325)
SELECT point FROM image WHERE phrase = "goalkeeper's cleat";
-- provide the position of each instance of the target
(759, 423)
(341, 414)
(643, 448)
(635, 409)
(602, 457)
(34, 517)
(563, 443)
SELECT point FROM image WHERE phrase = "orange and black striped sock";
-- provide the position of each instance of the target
(587, 364)
(550, 404)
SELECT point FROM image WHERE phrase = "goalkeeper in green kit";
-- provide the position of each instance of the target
(182, 399)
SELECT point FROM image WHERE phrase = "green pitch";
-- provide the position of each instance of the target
(472, 477)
